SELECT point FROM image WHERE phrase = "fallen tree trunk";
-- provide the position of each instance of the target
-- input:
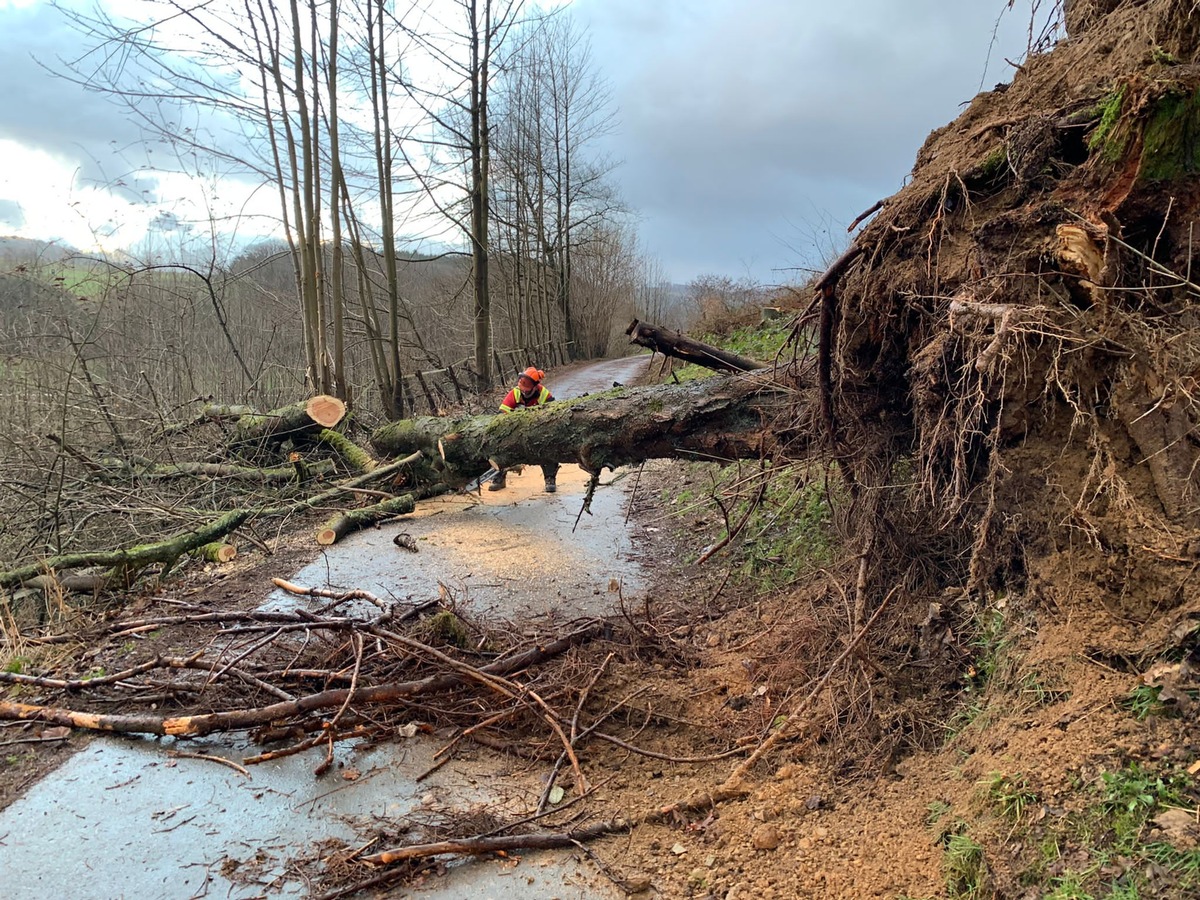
(133, 559)
(231, 720)
(673, 343)
(225, 471)
(711, 419)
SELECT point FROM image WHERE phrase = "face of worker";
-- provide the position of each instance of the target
(526, 385)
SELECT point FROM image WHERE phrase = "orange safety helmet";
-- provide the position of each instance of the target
(534, 374)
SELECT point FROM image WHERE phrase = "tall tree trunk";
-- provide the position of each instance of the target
(479, 191)
(341, 386)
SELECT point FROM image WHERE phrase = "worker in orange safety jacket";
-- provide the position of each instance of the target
(529, 392)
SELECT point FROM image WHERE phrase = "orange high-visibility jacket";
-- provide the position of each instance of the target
(513, 399)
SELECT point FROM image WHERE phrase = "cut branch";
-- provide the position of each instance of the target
(356, 519)
(480, 845)
(306, 418)
(207, 723)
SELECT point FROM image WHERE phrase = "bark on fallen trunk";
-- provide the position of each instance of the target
(223, 471)
(133, 559)
(216, 552)
(672, 343)
(355, 456)
(711, 419)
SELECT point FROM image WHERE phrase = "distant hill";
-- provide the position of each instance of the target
(24, 250)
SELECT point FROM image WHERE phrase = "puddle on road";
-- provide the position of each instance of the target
(513, 554)
(122, 819)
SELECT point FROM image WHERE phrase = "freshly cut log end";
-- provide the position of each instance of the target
(223, 553)
(325, 410)
(353, 520)
(216, 552)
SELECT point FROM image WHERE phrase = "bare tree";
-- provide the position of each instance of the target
(458, 149)
(556, 190)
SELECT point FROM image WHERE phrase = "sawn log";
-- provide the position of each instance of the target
(305, 418)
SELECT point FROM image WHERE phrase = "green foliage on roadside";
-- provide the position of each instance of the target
(1130, 795)
(780, 518)
(1143, 701)
(1010, 795)
(992, 663)
(789, 531)
(1109, 847)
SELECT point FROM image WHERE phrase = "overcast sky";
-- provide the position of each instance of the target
(749, 132)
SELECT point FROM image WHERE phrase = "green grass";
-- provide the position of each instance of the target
(1143, 701)
(1104, 138)
(936, 811)
(789, 531)
(760, 342)
(1010, 795)
(965, 868)
(991, 672)
(1069, 887)
(1130, 796)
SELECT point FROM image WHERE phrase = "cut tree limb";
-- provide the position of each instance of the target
(251, 474)
(711, 419)
(353, 520)
(673, 343)
(133, 558)
(480, 845)
(216, 552)
(355, 456)
(167, 551)
(232, 720)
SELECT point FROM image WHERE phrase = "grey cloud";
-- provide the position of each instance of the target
(48, 109)
(738, 119)
(11, 214)
(42, 108)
